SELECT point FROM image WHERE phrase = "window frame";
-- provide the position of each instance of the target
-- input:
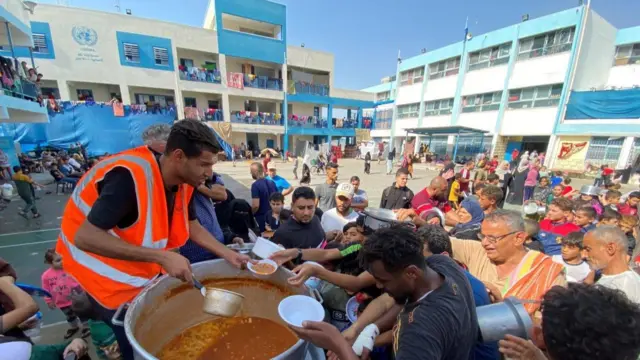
(42, 39)
(129, 48)
(444, 68)
(541, 96)
(628, 59)
(158, 56)
(411, 76)
(493, 57)
(603, 149)
(476, 102)
(552, 43)
(438, 107)
(410, 113)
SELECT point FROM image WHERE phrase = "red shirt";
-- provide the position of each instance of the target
(466, 174)
(265, 163)
(567, 189)
(422, 202)
(626, 209)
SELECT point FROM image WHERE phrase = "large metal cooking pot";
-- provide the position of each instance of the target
(167, 307)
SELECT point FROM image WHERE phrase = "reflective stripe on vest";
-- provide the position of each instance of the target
(147, 240)
(101, 268)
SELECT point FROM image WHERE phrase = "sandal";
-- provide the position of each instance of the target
(70, 333)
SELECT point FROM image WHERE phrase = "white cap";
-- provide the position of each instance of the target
(345, 189)
(271, 165)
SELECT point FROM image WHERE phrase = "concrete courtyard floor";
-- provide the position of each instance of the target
(23, 242)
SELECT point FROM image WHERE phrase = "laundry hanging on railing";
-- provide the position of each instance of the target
(235, 80)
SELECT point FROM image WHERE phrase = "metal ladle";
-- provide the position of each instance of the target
(219, 302)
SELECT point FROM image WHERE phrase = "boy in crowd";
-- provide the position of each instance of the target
(532, 228)
(557, 225)
(556, 192)
(556, 179)
(611, 199)
(577, 270)
(566, 188)
(627, 224)
(477, 190)
(489, 198)
(272, 219)
(630, 207)
(610, 217)
(493, 179)
(585, 218)
(454, 194)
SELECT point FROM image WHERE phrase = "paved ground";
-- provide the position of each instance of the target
(23, 242)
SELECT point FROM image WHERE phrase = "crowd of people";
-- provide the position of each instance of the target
(417, 280)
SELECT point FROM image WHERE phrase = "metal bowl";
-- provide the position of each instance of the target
(589, 190)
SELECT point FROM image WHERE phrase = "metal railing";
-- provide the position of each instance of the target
(193, 113)
(262, 82)
(302, 87)
(201, 75)
(309, 122)
(256, 118)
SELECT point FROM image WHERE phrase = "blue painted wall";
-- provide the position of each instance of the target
(567, 128)
(23, 52)
(249, 46)
(333, 101)
(628, 36)
(146, 44)
(13, 20)
(559, 20)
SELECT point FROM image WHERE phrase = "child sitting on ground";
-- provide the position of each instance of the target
(627, 224)
(577, 270)
(276, 200)
(102, 337)
(610, 217)
(585, 218)
(454, 194)
(531, 228)
(59, 284)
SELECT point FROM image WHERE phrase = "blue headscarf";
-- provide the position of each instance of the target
(477, 215)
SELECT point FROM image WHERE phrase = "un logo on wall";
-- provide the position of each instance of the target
(85, 36)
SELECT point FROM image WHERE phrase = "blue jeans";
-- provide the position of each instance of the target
(528, 192)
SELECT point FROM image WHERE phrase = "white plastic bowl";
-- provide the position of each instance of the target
(298, 308)
(260, 275)
(264, 248)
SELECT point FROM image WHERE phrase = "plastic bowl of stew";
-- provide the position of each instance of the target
(263, 269)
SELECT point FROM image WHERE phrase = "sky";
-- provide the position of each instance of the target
(366, 35)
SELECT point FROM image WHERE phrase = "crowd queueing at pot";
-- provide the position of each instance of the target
(156, 258)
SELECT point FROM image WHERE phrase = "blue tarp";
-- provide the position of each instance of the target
(93, 125)
(609, 104)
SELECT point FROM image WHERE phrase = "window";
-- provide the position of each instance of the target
(627, 55)
(188, 63)
(438, 107)
(444, 68)
(161, 56)
(413, 76)
(255, 32)
(539, 96)
(546, 44)
(604, 150)
(190, 102)
(482, 102)
(408, 111)
(151, 100)
(40, 44)
(131, 53)
(85, 94)
(497, 55)
(383, 96)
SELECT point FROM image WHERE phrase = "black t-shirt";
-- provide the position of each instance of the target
(117, 204)
(443, 325)
(293, 234)
(396, 198)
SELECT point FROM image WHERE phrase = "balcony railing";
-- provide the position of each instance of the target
(256, 118)
(262, 82)
(345, 123)
(303, 121)
(200, 74)
(544, 51)
(193, 113)
(302, 87)
(367, 122)
(382, 124)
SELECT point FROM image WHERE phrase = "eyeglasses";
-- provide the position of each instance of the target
(495, 239)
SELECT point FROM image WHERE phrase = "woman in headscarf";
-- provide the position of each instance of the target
(306, 171)
(367, 163)
(470, 217)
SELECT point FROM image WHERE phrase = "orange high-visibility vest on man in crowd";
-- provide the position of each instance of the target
(112, 282)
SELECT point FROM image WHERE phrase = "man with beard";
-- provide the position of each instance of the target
(433, 196)
(303, 229)
(335, 219)
(606, 249)
(261, 191)
(439, 316)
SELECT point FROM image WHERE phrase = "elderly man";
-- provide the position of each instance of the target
(155, 137)
(282, 184)
(605, 248)
(502, 262)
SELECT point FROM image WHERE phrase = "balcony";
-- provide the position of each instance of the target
(192, 113)
(302, 87)
(308, 122)
(262, 82)
(367, 122)
(344, 123)
(256, 118)
(200, 74)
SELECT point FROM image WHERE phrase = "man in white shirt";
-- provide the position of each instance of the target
(339, 216)
(606, 250)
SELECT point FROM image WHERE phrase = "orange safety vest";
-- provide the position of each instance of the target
(112, 282)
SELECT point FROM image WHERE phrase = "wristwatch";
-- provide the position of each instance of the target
(299, 257)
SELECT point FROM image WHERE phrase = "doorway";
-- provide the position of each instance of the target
(252, 141)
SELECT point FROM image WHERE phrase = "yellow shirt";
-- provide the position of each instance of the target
(21, 177)
(453, 195)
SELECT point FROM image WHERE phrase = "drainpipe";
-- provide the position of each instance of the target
(394, 117)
